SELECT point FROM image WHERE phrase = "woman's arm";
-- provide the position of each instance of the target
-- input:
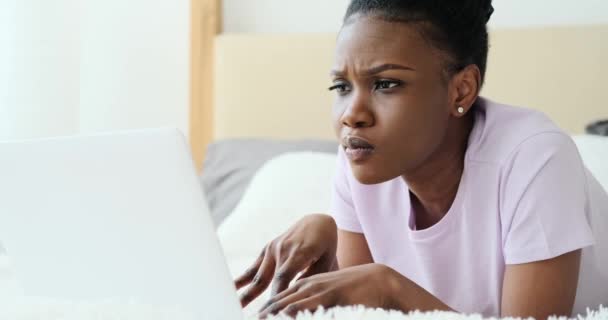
(541, 289)
(352, 250)
(538, 289)
(405, 295)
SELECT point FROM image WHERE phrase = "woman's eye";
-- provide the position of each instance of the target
(386, 84)
(341, 88)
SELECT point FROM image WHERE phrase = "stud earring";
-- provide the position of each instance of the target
(460, 110)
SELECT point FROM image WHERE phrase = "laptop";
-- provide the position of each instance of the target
(115, 217)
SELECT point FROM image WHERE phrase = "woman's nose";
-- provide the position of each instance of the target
(358, 114)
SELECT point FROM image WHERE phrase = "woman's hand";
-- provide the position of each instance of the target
(309, 246)
(371, 285)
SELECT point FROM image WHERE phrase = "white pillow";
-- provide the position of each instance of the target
(594, 151)
(284, 190)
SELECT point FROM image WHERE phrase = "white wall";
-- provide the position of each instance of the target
(272, 16)
(70, 66)
(7, 61)
(39, 86)
(275, 16)
(134, 64)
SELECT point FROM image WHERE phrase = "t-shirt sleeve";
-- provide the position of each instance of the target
(544, 200)
(341, 207)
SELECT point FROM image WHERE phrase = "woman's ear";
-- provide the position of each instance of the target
(466, 85)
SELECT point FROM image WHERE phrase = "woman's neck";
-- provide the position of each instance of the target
(433, 185)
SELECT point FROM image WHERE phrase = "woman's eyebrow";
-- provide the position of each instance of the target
(375, 70)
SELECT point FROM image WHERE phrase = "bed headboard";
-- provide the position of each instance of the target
(275, 85)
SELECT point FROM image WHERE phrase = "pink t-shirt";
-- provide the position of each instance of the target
(524, 196)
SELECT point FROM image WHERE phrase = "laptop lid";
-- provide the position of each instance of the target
(118, 216)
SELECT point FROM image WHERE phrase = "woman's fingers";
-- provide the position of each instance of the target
(322, 265)
(250, 273)
(260, 281)
(297, 302)
(276, 304)
(311, 304)
(289, 291)
(288, 271)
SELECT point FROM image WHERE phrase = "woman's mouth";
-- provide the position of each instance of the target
(357, 149)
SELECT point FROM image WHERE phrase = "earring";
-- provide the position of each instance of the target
(460, 110)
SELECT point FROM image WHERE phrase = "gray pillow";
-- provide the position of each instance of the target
(599, 128)
(231, 164)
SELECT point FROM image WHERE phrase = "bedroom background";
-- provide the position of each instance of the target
(83, 66)
(77, 66)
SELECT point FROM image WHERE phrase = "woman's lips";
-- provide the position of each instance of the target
(357, 149)
(358, 155)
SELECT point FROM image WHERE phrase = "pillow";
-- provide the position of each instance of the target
(230, 165)
(598, 127)
(284, 190)
(594, 152)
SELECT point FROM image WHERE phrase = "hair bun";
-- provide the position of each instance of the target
(469, 12)
(489, 12)
(483, 8)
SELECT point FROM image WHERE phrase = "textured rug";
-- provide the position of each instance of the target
(110, 311)
(360, 313)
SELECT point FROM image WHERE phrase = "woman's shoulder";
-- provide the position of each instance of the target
(501, 131)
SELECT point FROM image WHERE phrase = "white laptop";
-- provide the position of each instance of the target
(118, 217)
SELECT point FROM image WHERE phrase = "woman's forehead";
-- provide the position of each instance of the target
(366, 41)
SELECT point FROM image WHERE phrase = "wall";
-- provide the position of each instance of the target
(325, 15)
(70, 66)
(39, 84)
(134, 64)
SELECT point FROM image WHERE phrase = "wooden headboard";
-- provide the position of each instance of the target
(275, 85)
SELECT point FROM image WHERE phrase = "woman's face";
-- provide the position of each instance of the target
(392, 109)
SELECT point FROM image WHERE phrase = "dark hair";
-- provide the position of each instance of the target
(455, 27)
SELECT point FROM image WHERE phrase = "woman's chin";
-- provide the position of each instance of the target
(367, 175)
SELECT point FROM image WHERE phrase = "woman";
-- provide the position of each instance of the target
(443, 200)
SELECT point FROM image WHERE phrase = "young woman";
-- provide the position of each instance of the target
(443, 200)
